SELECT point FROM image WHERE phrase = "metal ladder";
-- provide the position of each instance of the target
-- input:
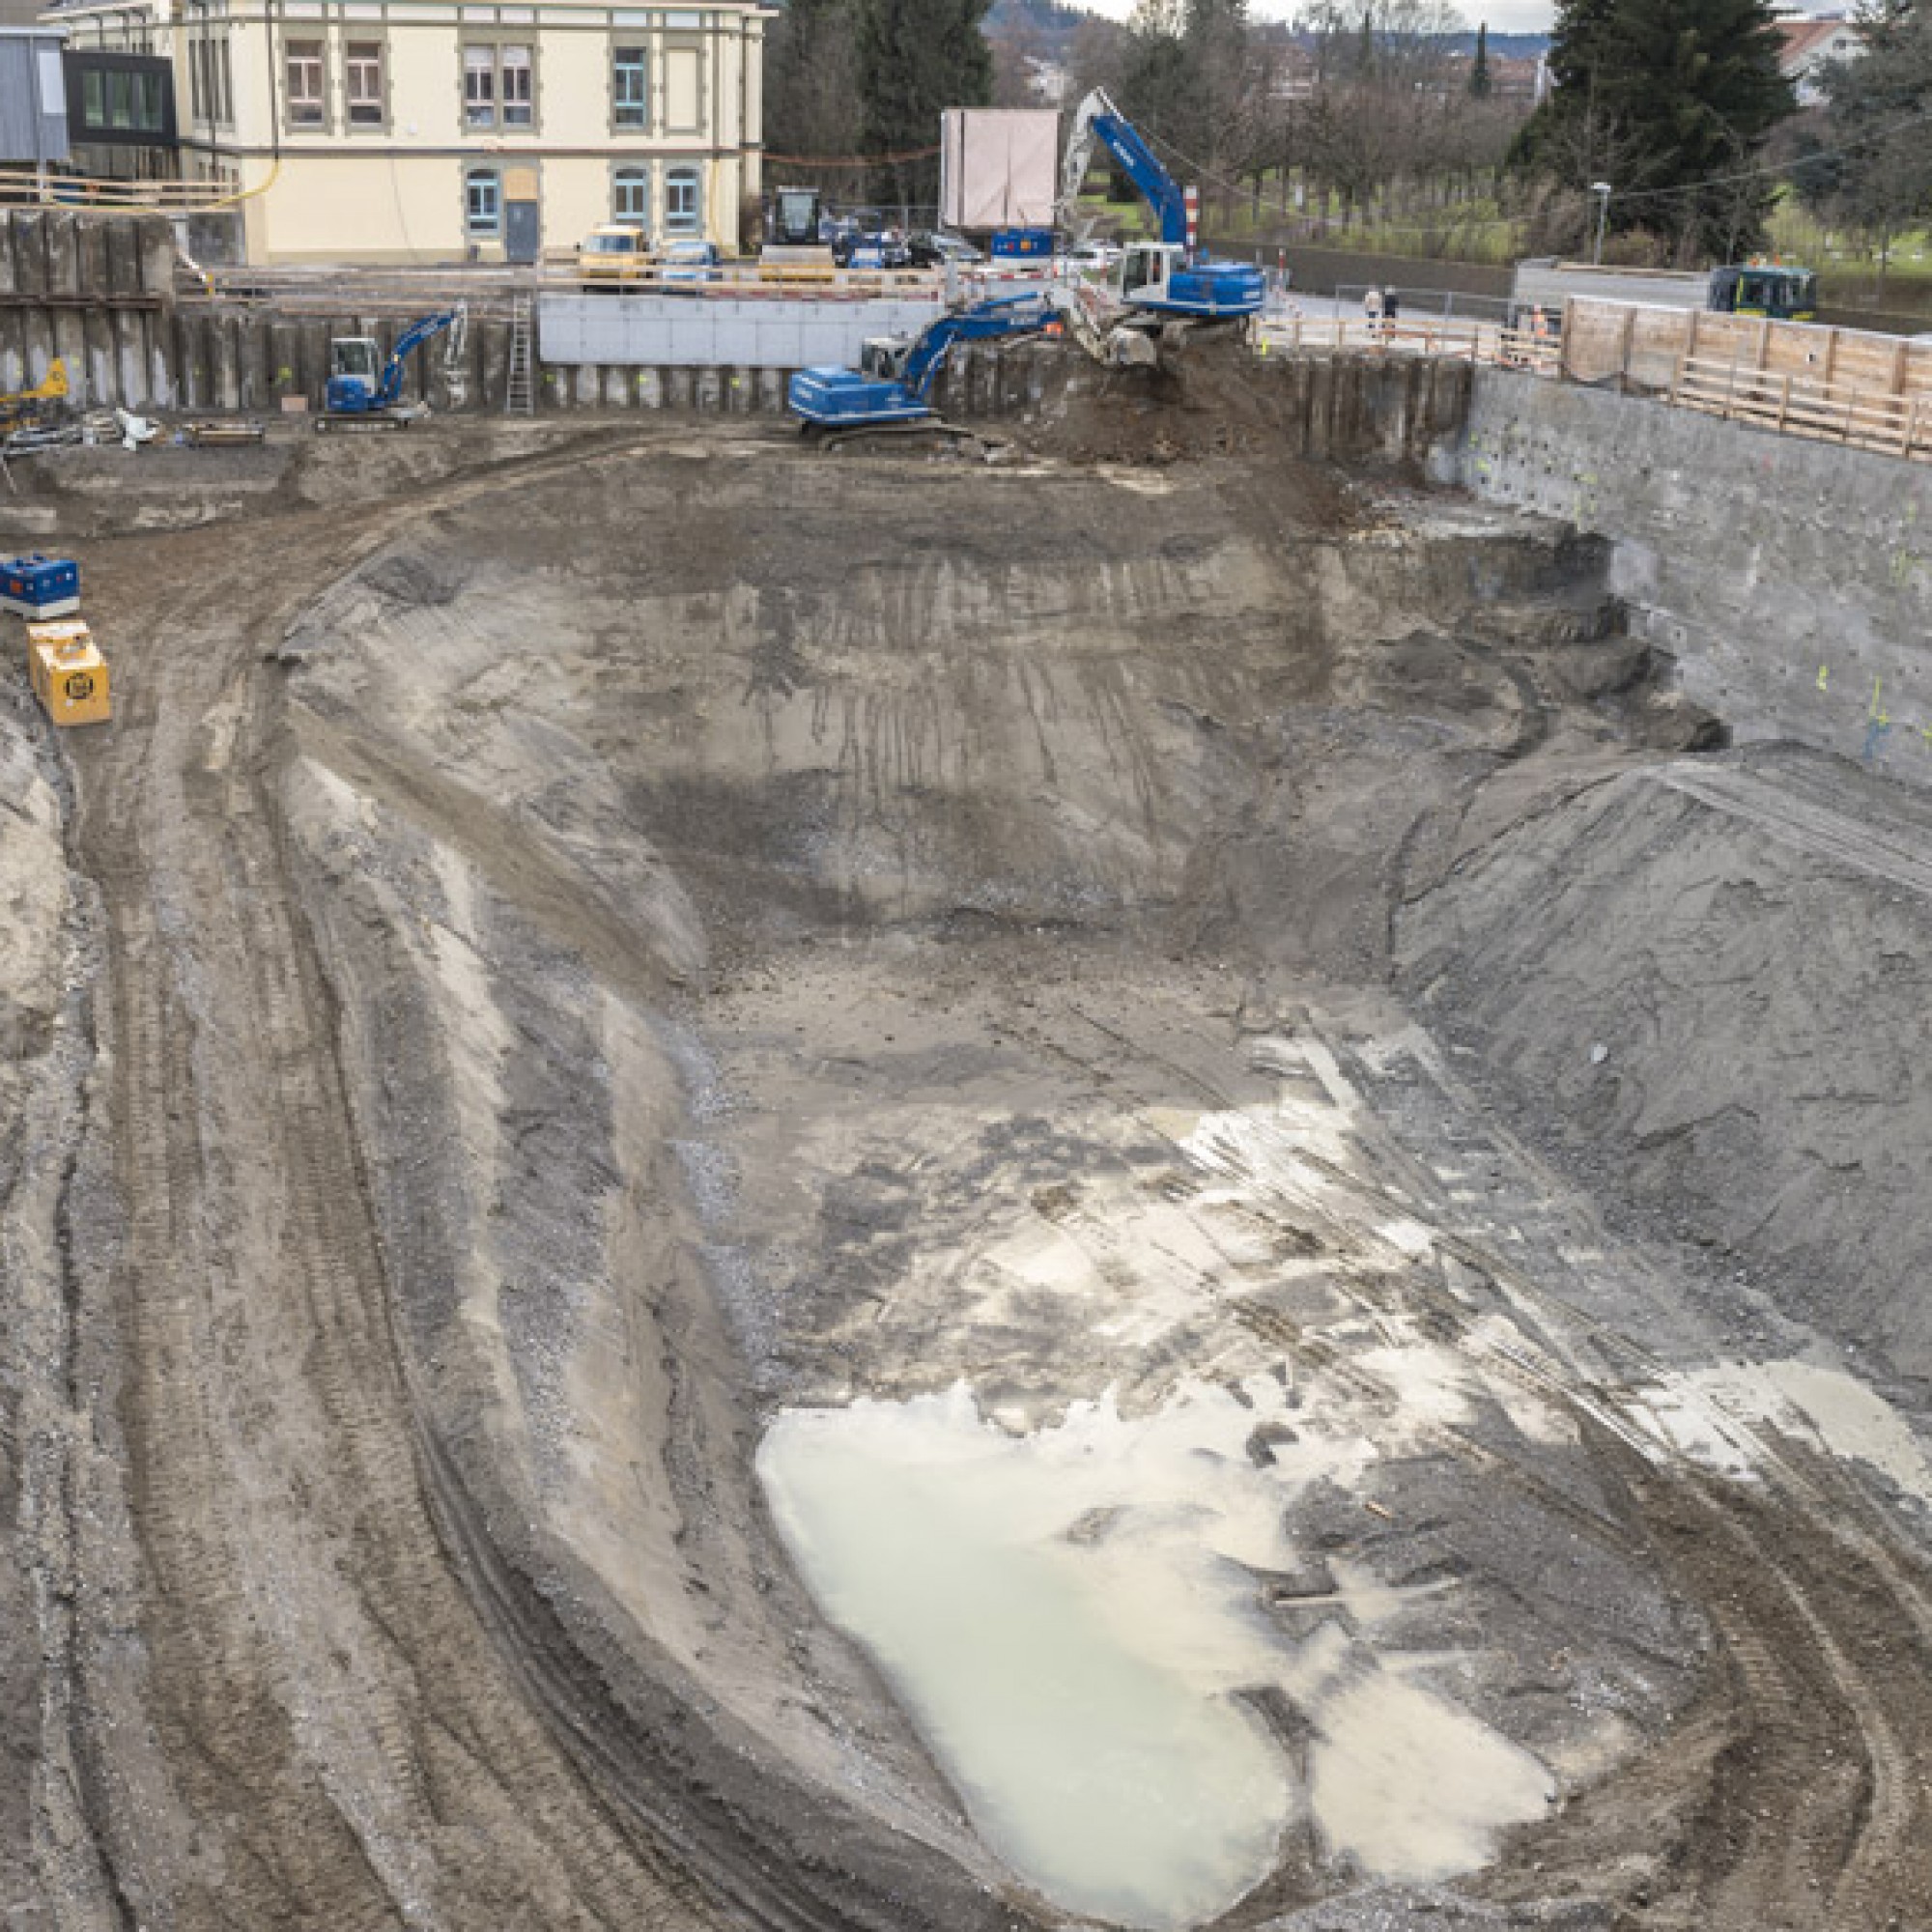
(520, 391)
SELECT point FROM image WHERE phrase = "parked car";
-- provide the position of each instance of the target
(613, 255)
(933, 248)
(878, 248)
(685, 262)
(833, 228)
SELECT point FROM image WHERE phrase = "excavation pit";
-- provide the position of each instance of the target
(638, 963)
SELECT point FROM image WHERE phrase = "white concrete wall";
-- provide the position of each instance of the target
(1791, 580)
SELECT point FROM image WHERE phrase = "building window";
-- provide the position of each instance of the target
(362, 82)
(499, 81)
(302, 71)
(683, 213)
(630, 196)
(210, 91)
(630, 88)
(518, 94)
(483, 203)
(124, 100)
(479, 87)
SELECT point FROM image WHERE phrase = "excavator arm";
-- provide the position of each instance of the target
(389, 392)
(1097, 119)
(985, 322)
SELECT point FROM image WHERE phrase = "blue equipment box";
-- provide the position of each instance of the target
(1022, 244)
(40, 587)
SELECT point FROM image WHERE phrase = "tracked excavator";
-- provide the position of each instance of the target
(892, 389)
(1169, 280)
(364, 392)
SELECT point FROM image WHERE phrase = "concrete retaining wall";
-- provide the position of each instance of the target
(92, 290)
(1791, 580)
(685, 333)
(199, 359)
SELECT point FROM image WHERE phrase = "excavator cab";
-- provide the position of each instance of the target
(355, 368)
(1144, 267)
(883, 357)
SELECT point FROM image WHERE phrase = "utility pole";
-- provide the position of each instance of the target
(1602, 191)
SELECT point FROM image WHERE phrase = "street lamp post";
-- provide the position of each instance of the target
(1602, 191)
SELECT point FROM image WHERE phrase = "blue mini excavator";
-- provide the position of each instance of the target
(365, 392)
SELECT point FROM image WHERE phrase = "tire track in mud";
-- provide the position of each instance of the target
(371, 1716)
(345, 1748)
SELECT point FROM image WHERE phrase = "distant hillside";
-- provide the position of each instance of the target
(1505, 46)
(1048, 28)
(1047, 25)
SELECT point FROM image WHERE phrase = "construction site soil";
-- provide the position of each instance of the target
(583, 941)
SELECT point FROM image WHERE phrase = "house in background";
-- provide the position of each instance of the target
(436, 131)
(1808, 45)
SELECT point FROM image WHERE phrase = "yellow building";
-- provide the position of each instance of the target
(432, 131)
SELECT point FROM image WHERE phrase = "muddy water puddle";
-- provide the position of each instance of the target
(1071, 1617)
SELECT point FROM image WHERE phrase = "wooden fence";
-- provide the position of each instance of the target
(1839, 385)
(1451, 336)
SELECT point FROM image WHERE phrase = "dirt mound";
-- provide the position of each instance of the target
(1210, 395)
(1704, 983)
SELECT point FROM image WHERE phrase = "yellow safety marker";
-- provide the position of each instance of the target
(70, 674)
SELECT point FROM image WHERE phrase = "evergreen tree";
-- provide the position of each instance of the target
(915, 59)
(1670, 101)
(1479, 68)
(812, 96)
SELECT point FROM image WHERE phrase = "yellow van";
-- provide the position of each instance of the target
(613, 255)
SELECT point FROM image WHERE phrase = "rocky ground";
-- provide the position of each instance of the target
(579, 939)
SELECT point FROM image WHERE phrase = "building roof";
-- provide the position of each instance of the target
(1809, 41)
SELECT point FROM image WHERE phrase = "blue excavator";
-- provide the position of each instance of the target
(365, 392)
(1168, 279)
(892, 388)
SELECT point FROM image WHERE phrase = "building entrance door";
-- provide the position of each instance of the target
(522, 216)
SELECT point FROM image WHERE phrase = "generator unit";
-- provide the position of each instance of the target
(70, 674)
(36, 586)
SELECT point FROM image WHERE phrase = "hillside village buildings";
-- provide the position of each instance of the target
(423, 131)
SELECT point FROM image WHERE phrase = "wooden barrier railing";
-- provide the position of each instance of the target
(49, 188)
(1455, 338)
(1846, 385)
(1893, 425)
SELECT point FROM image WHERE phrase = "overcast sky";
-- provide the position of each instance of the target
(1505, 16)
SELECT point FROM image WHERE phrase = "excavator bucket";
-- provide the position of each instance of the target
(455, 376)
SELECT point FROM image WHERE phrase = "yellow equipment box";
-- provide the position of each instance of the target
(70, 674)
